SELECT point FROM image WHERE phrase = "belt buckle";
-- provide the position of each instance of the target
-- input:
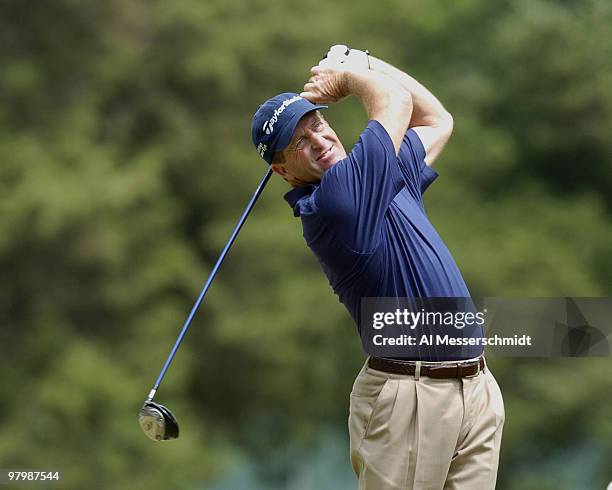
(478, 370)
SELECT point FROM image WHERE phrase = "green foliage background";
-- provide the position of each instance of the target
(125, 161)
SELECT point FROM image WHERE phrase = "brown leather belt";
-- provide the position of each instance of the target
(450, 369)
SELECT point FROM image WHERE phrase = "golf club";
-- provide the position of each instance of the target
(156, 421)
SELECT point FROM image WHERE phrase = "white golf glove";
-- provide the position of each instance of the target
(340, 53)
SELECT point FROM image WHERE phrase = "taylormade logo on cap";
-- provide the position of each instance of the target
(261, 149)
(268, 126)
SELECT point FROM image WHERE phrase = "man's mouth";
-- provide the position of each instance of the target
(325, 153)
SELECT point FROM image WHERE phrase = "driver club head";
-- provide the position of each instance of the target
(157, 422)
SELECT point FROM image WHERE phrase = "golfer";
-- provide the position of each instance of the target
(417, 423)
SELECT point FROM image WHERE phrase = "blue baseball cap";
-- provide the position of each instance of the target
(275, 121)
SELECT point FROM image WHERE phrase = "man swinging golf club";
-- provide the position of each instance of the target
(417, 423)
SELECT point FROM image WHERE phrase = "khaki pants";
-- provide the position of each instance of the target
(425, 433)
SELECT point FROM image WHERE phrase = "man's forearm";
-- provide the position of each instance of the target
(379, 93)
(427, 109)
(385, 100)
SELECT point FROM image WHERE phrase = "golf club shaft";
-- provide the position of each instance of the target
(212, 275)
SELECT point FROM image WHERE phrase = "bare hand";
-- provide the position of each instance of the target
(328, 83)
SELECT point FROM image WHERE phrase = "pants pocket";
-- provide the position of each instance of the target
(362, 408)
(362, 411)
(496, 399)
(370, 413)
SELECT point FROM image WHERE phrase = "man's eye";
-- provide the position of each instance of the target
(318, 126)
(300, 144)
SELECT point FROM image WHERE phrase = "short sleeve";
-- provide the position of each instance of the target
(355, 194)
(411, 159)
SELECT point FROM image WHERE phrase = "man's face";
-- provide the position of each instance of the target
(313, 149)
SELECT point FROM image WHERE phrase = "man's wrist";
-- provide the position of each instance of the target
(346, 83)
(371, 87)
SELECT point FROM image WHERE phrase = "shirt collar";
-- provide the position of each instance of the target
(297, 193)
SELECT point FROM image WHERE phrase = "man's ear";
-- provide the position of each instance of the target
(280, 170)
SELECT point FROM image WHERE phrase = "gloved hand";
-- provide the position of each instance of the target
(340, 53)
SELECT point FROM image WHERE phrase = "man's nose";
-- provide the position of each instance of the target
(317, 141)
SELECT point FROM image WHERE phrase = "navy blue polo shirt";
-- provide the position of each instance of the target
(366, 223)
